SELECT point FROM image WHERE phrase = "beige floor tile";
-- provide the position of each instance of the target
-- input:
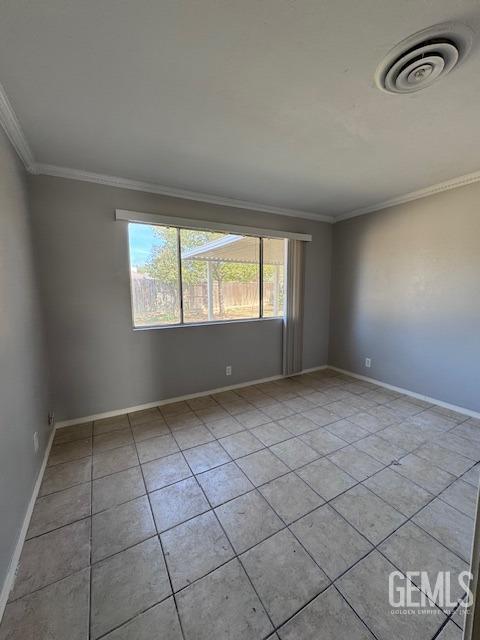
(113, 461)
(462, 496)
(121, 527)
(241, 444)
(411, 549)
(225, 427)
(223, 605)
(294, 452)
(446, 459)
(107, 425)
(151, 429)
(253, 418)
(206, 456)
(192, 437)
(365, 587)
(290, 497)
(248, 520)
(195, 548)
(380, 449)
(66, 475)
(162, 618)
(283, 574)
(73, 432)
(450, 632)
(423, 473)
(399, 492)
(164, 471)
(369, 514)
(112, 440)
(176, 503)
(51, 557)
(117, 488)
(158, 447)
(298, 424)
(70, 451)
(321, 416)
(271, 433)
(57, 611)
(262, 466)
(127, 584)
(144, 416)
(347, 430)
(61, 508)
(450, 527)
(326, 478)
(323, 441)
(224, 483)
(330, 613)
(371, 422)
(464, 446)
(331, 541)
(356, 463)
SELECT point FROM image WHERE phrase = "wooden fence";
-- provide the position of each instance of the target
(151, 295)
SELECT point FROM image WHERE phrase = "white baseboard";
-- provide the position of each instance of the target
(408, 392)
(12, 570)
(157, 403)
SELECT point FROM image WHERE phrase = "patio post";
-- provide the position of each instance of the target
(275, 289)
(209, 290)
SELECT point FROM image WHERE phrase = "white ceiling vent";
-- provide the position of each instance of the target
(415, 63)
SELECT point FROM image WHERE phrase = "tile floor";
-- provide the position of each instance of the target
(273, 511)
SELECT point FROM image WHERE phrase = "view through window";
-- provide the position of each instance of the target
(189, 276)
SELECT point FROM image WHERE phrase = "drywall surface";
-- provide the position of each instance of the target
(406, 293)
(23, 367)
(99, 363)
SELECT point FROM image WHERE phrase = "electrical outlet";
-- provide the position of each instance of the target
(228, 370)
(51, 418)
(368, 362)
(35, 441)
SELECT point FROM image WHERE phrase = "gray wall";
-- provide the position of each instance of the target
(99, 363)
(23, 370)
(406, 292)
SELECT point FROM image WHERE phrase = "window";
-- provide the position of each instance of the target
(185, 276)
(273, 266)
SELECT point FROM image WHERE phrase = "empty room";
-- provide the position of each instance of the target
(239, 320)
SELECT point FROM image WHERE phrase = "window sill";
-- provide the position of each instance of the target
(204, 324)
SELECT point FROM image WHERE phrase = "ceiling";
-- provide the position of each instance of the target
(267, 101)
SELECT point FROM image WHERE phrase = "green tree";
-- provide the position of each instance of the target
(163, 263)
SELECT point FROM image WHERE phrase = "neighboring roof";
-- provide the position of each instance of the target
(232, 248)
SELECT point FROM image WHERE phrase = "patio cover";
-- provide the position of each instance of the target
(233, 248)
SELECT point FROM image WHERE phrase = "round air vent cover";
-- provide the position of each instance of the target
(415, 63)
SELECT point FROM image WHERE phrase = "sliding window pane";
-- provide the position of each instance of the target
(154, 275)
(220, 276)
(274, 261)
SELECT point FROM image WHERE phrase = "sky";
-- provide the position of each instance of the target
(142, 240)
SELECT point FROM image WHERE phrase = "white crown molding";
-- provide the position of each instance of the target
(149, 187)
(461, 181)
(13, 129)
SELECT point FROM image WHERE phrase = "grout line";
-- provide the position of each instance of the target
(236, 555)
(91, 548)
(160, 542)
(356, 614)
